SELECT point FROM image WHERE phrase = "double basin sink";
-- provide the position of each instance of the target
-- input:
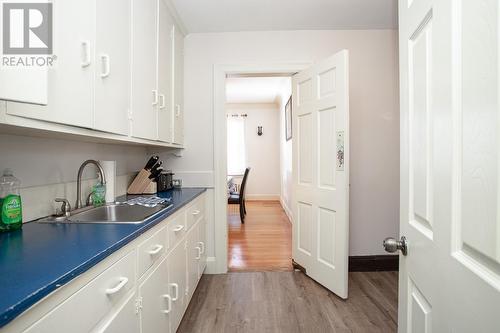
(110, 213)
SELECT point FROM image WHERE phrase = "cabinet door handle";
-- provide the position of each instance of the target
(105, 65)
(156, 250)
(178, 228)
(196, 212)
(177, 110)
(169, 302)
(118, 287)
(162, 101)
(155, 97)
(199, 253)
(202, 247)
(85, 53)
(176, 288)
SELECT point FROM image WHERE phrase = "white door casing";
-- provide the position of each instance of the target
(320, 109)
(449, 71)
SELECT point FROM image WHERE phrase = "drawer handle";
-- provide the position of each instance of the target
(196, 212)
(202, 247)
(119, 286)
(157, 249)
(199, 253)
(178, 228)
(169, 302)
(176, 288)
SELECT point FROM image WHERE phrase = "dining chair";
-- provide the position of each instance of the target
(239, 198)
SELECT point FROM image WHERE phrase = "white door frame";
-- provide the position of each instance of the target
(220, 264)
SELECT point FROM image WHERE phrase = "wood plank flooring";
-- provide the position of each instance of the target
(291, 302)
(263, 242)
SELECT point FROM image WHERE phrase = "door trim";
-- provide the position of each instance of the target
(219, 264)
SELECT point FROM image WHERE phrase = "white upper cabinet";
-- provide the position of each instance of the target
(165, 72)
(112, 58)
(144, 75)
(118, 69)
(178, 113)
(70, 90)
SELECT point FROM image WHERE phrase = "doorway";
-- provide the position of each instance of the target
(258, 172)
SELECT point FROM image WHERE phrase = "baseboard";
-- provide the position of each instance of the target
(287, 210)
(376, 263)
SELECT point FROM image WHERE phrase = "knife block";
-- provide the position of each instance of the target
(151, 188)
(140, 183)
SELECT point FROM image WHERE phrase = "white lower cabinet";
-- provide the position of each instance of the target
(177, 283)
(143, 288)
(91, 304)
(124, 320)
(156, 301)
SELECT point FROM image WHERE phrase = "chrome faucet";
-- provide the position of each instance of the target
(79, 180)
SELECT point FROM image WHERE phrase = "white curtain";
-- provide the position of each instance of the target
(236, 154)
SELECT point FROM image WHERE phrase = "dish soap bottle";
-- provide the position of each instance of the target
(11, 217)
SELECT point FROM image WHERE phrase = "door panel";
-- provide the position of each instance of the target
(320, 171)
(70, 79)
(165, 72)
(417, 117)
(144, 69)
(154, 300)
(178, 113)
(178, 275)
(112, 75)
(450, 279)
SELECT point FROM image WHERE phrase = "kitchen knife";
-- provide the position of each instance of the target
(156, 166)
(155, 173)
(152, 161)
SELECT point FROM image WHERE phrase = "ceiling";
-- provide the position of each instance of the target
(263, 15)
(255, 89)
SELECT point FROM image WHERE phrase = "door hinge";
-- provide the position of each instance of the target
(130, 115)
(138, 305)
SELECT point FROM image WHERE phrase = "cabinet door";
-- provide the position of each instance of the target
(178, 114)
(193, 258)
(202, 243)
(125, 320)
(177, 279)
(144, 58)
(156, 301)
(26, 85)
(70, 89)
(112, 74)
(165, 71)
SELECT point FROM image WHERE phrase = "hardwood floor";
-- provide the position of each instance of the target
(263, 242)
(291, 302)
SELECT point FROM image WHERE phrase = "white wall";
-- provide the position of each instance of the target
(48, 168)
(262, 152)
(285, 154)
(374, 111)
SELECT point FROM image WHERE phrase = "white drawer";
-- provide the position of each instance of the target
(176, 229)
(84, 309)
(151, 250)
(195, 211)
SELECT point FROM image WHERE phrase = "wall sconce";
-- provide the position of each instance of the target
(259, 130)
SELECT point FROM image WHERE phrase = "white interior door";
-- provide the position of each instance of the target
(450, 150)
(320, 109)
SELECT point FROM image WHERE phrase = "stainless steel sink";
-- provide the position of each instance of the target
(110, 213)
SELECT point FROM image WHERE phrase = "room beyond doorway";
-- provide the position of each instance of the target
(258, 173)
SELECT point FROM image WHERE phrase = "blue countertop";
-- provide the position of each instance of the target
(41, 257)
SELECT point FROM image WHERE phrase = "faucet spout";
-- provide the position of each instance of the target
(79, 180)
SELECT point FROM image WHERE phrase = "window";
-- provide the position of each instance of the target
(236, 154)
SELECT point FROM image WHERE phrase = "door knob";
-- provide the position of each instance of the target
(391, 245)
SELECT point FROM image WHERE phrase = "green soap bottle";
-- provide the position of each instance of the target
(11, 214)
